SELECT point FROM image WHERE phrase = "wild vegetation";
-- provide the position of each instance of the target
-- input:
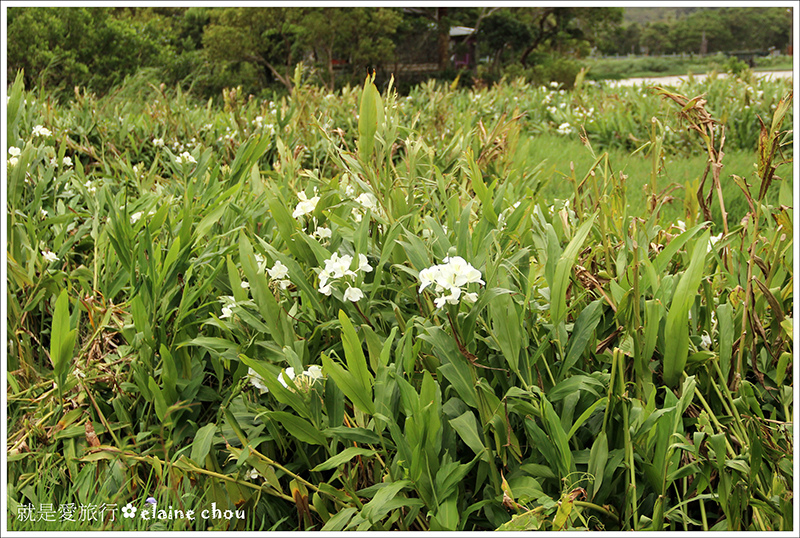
(358, 310)
(669, 30)
(206, 49)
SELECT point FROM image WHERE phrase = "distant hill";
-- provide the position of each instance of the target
(642, 15)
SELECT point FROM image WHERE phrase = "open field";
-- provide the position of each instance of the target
(624, 67)
(513, 308)
(676, 80)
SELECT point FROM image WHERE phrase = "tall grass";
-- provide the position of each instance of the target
(360, 311)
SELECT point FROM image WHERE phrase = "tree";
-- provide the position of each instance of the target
(619, 39)
(501, 31)
(557, 27)
(268, 38)
(80, 46)
(705, 22)
(360, 37)
(655, 38)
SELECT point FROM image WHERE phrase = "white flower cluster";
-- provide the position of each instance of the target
(564, 129)
(322, 232)
(228, 134)
(49, 257)
(278, 274)
(303, 381)
(366, 200)
(38, 130)
(306, 205)
(14, 153)
(705, 341)
(338, 267)
(229, 303)
(450, 278)
(185, 157)
(268, 127)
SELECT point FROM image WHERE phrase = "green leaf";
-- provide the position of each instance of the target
(356, 362)
(726, 337)
(349, 385)
(343, 457)
(262, 295)
(676, 332)
(62, 340)
(574, 384)
(527, 521)
(357, 435)
(598, 456)
(214, 215)
(467, 428)
(296, 275)
(782, 368)
(663, 258)
(169, 373)
(561, 276)
(338, 522)
(380, 505)
(239, 294)
(269, 375)
(563, 513)
(158, 399)
(506, 329)
(483, 192)
(368, 118)
(581, 334)
(202, 443)
(553, 425)
(654, 311)
(585, 416)
(299, 428)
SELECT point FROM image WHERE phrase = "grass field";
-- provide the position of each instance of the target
(661, 66)
(513, 308)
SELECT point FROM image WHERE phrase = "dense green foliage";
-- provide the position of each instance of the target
(206, 49)
(63, 48)
(173, 267)
(698, 30)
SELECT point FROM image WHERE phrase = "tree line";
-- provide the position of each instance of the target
(701, 31)
(207, 49)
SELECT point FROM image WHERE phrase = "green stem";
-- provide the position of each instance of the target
(618, 356)
(584, 504)
(299, 478)
(703, 514)
(735, 413)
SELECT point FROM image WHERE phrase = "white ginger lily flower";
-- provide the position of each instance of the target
(257, 381)
(289, 372)
(305, 206)
(353, 294)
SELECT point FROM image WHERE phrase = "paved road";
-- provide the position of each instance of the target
(674, 81)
